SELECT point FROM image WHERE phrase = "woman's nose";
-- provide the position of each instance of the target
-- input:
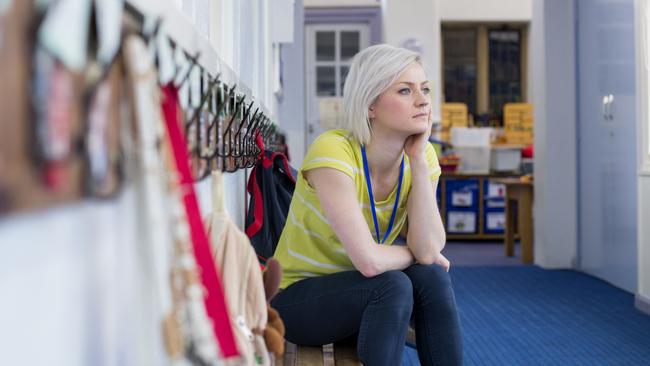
(422, 100)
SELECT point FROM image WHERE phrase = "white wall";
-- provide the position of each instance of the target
(291, 106)
(419, 20)
(642, 9)
(77, 288)
(486, 10)
(553, 93)
(239, 30)
(643, 291)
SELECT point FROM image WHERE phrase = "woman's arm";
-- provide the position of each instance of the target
(337, 195)
(426, 234)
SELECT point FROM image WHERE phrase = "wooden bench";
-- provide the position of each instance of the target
(327, 355)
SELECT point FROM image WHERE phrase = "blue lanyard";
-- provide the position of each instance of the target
(372, 198)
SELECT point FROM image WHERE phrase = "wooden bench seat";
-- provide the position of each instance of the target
(327, 355)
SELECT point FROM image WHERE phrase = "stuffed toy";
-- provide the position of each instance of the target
(274, 332)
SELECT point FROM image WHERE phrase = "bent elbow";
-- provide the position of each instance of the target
(368, 269)
(369, 273)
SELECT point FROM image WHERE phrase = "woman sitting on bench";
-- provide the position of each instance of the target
(358, 188)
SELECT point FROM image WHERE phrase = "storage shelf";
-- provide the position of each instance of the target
(479, 207)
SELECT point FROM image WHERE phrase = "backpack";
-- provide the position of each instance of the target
(271, 187)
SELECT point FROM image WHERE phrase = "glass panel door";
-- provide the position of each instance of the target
(329, 50)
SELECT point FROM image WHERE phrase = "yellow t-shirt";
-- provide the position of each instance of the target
(308, 246)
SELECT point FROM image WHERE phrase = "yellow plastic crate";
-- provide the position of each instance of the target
(518, 123)
(452, 115)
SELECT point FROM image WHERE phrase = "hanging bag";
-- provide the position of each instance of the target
(271, 187)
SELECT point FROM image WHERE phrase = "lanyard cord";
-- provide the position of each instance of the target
(366, 169)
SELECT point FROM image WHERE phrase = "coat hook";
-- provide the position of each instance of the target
(193, 62)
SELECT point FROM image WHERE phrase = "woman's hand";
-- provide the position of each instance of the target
(441, 260)
(415, 144)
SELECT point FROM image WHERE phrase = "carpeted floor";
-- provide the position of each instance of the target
(524, 315)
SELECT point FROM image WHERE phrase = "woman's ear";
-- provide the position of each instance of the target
(371, 112)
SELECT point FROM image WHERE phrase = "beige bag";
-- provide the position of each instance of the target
(241, 276)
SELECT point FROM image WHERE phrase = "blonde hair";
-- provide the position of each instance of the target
(372, 71)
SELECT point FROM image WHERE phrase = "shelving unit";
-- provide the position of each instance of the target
(463, 186)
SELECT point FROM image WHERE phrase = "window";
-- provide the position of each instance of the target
(332, 53)
(460, 66)
(483, 66)
(505, 70)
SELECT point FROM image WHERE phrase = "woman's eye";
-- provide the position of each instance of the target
(426, 90)
(405, 91)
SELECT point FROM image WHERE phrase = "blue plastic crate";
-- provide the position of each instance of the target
(462, 194)
(493, 207)
(462, 202)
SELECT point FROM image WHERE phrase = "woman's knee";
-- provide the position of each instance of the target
(430, 278)
(395, 286)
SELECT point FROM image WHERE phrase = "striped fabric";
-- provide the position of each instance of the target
(308, 246)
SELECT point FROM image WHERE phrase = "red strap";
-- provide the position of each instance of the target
(258, 205)
(214, 300)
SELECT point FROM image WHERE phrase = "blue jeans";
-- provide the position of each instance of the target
(377, 312)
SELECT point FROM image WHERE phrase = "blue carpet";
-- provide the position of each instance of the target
(530, 316)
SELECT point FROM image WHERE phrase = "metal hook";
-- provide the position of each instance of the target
(194, 60)
(243, 122)
(249, 137)
(218, 123)
(209, 152)
(228, 131)
(249, 128)
(204, 99)
(154, 32)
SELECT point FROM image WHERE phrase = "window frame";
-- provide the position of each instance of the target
(337, 63)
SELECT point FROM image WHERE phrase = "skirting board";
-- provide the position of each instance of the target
(642, 303)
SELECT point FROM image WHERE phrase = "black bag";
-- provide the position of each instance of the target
(271, 187)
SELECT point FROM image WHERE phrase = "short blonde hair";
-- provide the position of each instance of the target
(372, 71)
